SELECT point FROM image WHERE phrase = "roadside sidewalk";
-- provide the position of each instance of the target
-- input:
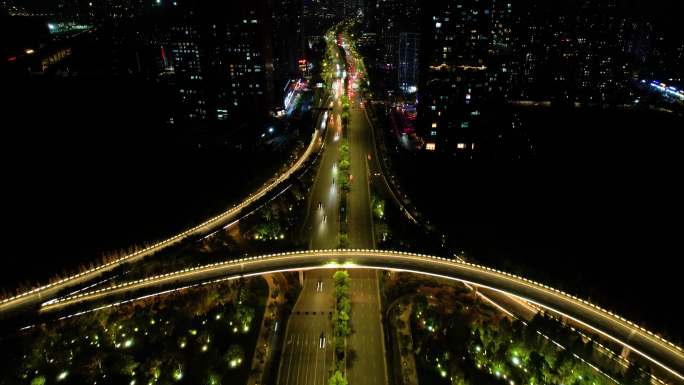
(404, 340)
(262, 353)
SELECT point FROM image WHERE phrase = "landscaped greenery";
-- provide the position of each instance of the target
(203, 335)
(343, 181)
(344, 165)
(378, 206)
(341, 328)
(345, 110)
(459, 339)
(343, 241)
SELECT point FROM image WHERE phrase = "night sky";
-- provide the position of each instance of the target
(654, 9)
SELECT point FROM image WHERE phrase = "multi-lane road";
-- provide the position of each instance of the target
(300, 364)
(368, 364)
(308, 351)
(308, 355)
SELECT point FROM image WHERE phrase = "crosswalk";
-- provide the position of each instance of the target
(306, 357)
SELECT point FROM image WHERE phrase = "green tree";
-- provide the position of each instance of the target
(634, 376)
(341, 329)
(213, 379)
(420, 304)
(344, 305)
(564, 368)
(341, 278)
(244, 314)
(234, 356)
(457, 376)
(337, 379)
(343, 181)
(345, 117)
(540, 371)
(378, 206)
(342, 241)
(345, 165)
(339, 346)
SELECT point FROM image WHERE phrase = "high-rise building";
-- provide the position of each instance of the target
(408, 66)
(91, 11)
(351, 8)
(189, 75)
(319, 16)
(221, 61)
(587, 54)
(602, 71)
(461, 49)
(288, 41)
(391, 18)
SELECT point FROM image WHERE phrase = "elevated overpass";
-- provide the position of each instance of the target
(223, 220)
(660, 352)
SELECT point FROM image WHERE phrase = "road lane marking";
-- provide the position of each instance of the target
(316, 367)
(290, 346)
(297, 363)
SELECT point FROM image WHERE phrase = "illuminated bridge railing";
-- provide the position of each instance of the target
(204, 226)
(640, 340)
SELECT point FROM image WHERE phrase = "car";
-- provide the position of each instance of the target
(321, 340)
(319, 285)
(325, 218)
(320, 205)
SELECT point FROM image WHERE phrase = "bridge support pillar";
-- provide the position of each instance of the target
(625, 353)
(301, 278)
(280, 280)
(270, 280)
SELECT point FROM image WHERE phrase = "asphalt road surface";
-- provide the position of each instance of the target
(366, 364)
(367, 350)
(307, 357)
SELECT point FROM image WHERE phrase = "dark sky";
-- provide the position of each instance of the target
(659, 11)
(654, 8)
